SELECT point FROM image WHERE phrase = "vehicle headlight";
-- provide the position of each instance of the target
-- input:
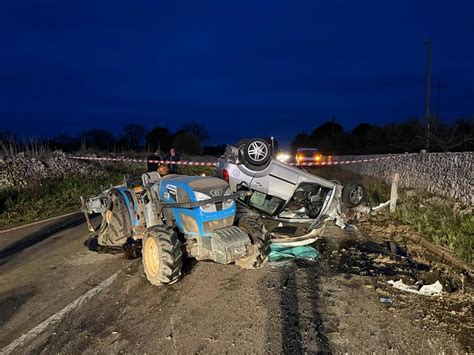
(210, 207)
(283, 157)
(227, 203)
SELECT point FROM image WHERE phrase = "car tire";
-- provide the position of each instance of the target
(241, 143)
(116, 226)
(260, 247)
(257, 154)
(161, 256)
(353, 194)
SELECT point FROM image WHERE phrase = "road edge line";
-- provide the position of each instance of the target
(37, 222)
(56, 317)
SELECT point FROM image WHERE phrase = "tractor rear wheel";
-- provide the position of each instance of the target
(260, 247)
(161, 255)
(116, 226)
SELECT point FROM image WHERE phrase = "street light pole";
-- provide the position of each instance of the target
(428, 95)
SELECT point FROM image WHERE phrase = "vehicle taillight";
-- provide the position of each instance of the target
(225, 175)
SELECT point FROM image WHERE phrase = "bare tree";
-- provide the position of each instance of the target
(198, 129)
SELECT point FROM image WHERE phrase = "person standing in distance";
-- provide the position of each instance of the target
(151, 166)
(171, 157)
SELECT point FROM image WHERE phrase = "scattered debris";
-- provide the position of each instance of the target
(285, 236)
(386, 299)
(281, 263)
(426, 290)
(381, 206)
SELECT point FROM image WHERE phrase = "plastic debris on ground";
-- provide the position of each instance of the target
(281, 255)
(281, 263)
(386, 299)
(435, 289)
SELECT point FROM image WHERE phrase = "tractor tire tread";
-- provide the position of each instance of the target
(116, 231)
(171, 256)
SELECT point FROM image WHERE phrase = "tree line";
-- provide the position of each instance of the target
(189, 139)
(408, 136)
(330, 137)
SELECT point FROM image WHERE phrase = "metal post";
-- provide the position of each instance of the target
(428, 95)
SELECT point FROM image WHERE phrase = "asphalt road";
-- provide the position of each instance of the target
(58, 297)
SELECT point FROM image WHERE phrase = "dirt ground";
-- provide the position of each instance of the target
(331, 305)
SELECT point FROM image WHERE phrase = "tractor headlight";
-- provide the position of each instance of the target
(227, 203)
(210, 207)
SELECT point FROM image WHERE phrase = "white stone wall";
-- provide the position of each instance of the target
(445, 174)
(22, 170)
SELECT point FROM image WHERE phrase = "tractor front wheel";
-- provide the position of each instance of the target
(260, 247)
(161, 256)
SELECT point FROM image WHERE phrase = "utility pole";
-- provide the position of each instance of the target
(427, 102)
(439, 85)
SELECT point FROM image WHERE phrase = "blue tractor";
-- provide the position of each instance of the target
(168, 217)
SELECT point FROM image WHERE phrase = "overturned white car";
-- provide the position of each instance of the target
(282, 192)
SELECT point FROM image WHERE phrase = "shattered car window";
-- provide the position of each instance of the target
(264, 202)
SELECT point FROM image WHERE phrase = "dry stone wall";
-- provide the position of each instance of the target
(445, 174)
(22, 170)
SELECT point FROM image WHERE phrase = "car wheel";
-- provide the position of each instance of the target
(257, 154)
(353, 194)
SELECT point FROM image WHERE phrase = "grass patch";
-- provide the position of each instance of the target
(439, 222)
(49, 198)
(56, 196)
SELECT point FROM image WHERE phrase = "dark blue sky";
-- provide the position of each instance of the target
(256, 68)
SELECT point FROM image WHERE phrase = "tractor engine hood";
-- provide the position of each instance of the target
(210, 186)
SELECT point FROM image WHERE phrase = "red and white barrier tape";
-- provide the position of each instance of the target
(338, 162)
(207, 163)
(132, 160)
